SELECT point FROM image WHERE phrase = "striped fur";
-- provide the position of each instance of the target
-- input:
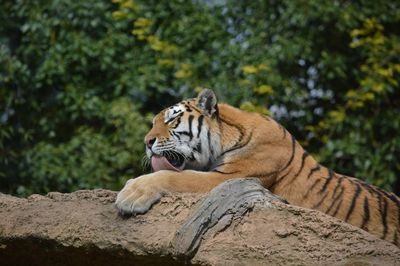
(220, 142)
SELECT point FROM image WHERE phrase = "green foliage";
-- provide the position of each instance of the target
(66, 68)
(91, 158)
(78, 78)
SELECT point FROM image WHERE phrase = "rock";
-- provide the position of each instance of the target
(238, 223)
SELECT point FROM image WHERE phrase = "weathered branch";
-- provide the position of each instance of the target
(223, 205)
(239, 223)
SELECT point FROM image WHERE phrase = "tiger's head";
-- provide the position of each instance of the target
(185, 135)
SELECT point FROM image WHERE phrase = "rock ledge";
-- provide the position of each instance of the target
(238, 223)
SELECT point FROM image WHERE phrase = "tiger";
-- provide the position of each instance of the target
(199, 143)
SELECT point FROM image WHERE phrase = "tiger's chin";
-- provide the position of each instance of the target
(174, 163)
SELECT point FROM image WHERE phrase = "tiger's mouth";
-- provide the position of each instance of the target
(168, 161)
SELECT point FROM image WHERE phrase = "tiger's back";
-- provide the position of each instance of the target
(346, 198)
(304, 182)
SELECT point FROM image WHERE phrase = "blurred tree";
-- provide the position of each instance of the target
(66, 68)
(327, 70)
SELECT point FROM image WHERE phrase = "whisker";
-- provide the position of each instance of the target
(165, 146)
(145, 163)
(180, 153)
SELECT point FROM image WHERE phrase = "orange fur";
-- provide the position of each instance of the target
(251, 145)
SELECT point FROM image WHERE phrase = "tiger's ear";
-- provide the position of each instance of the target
(207, 101)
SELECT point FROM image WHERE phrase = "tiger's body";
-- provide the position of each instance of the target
(197, 144)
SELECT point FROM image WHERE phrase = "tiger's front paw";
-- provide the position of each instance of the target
(138, 195)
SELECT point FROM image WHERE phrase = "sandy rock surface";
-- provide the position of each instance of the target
(84, 228)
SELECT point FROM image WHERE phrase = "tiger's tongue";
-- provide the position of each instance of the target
(161, 163)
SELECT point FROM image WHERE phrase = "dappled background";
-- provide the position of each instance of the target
(80, 80)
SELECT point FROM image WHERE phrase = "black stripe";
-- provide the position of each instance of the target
(395, 240)
(383, 211)
(376, 190)
(303, 158)
(176, 135)
(353, 202)
(366, 186)
(239, 146)
(284, 131)
(198, 147)
(320, 202)
(337, 185)
(188, 109)
(391, 196)
(382, 201)
(315, 183)
(292, 156)
(170, 120)
(279, 180)
(397, 202)
(366, 213)
(238, 143)
(178, 122)
(209, 142)
(191, 117)
(328, 180)
(312, 187)
(199, 125)
(183, 133)
(174, 117)
(281, 128)
(316, 168)
(208, 166)
(335, 200)
(337, 207)
(238, 128)
(191, 157)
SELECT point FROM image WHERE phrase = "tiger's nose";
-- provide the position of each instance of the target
(150, 142)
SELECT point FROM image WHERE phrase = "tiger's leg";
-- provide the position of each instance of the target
(141, 193)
